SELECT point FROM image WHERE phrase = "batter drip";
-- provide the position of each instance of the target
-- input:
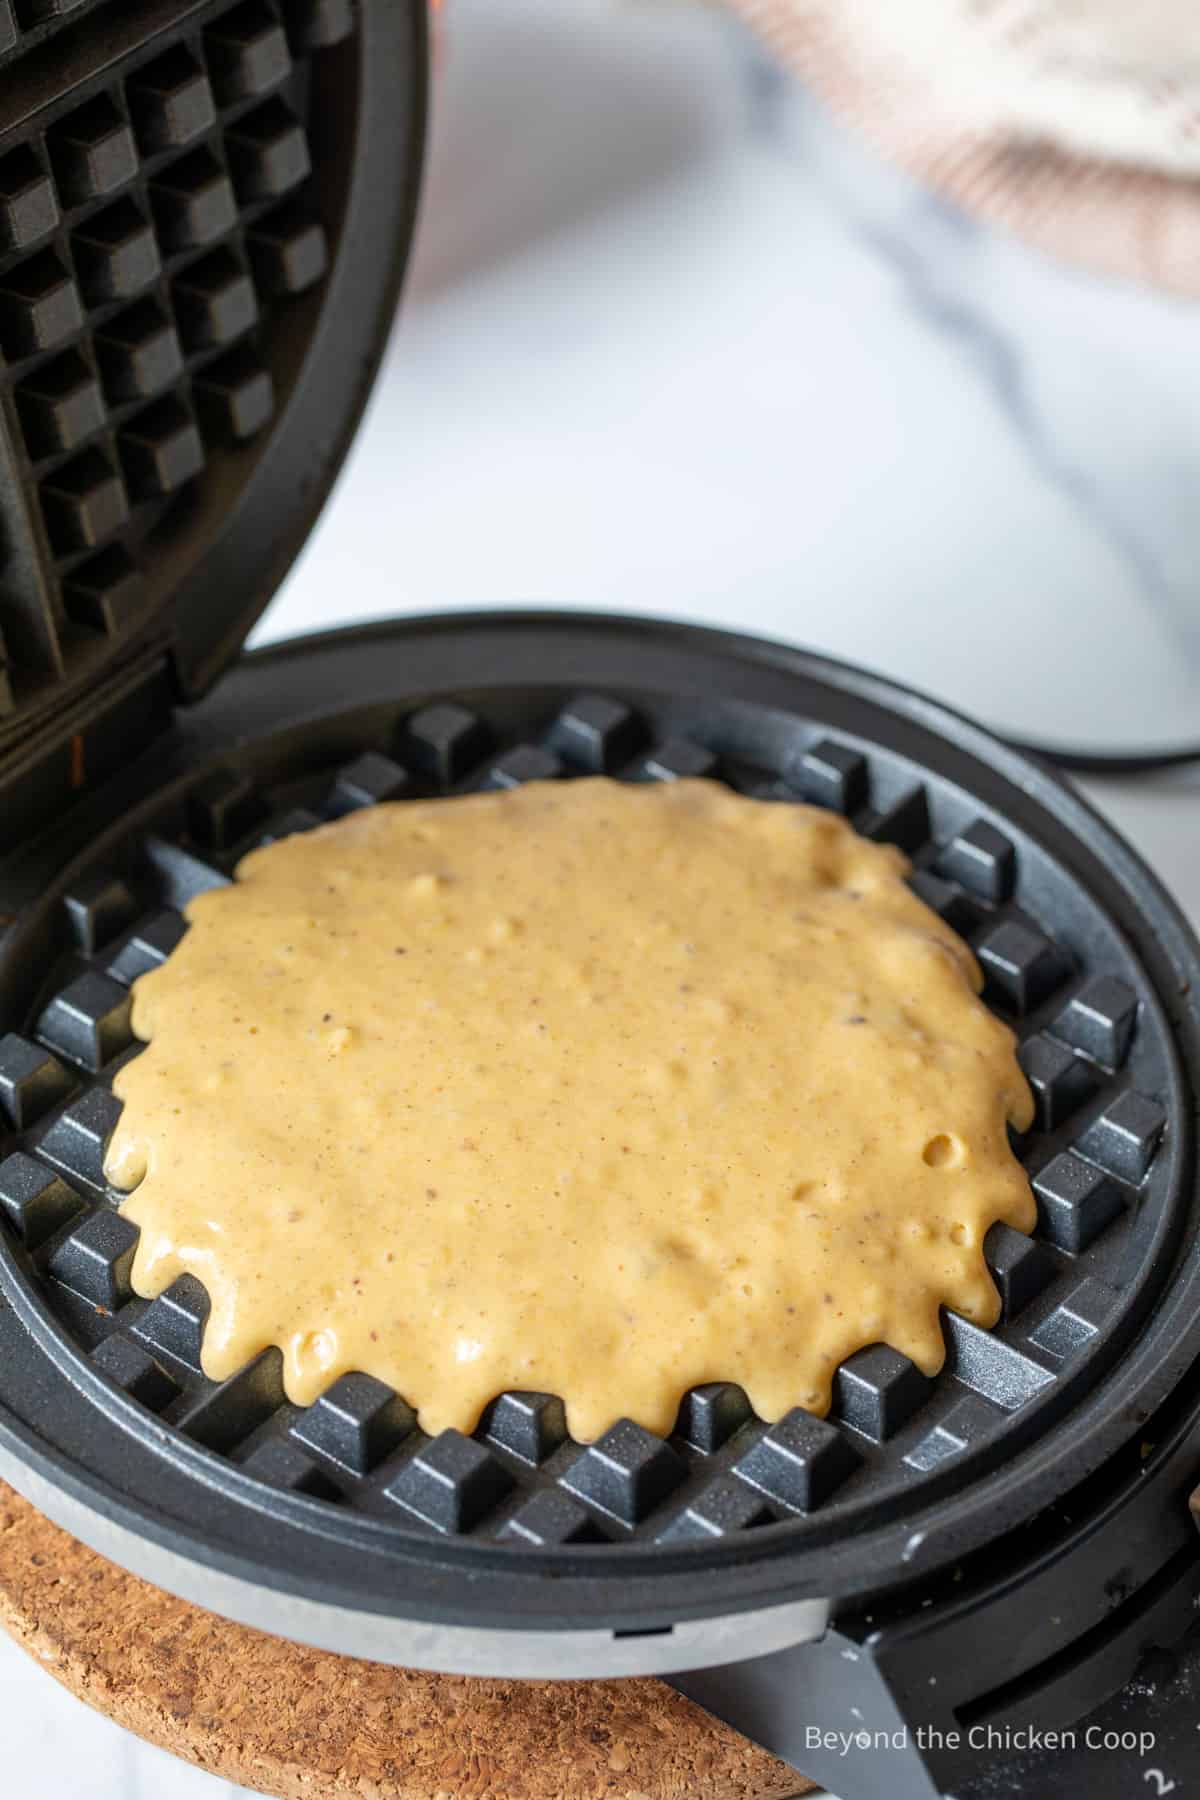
(598, 1089)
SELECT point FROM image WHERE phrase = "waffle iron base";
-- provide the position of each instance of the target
(1006, 1543)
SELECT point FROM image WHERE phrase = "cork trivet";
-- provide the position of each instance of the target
(307, 1725)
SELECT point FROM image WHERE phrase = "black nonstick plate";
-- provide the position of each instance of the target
(485, 1551)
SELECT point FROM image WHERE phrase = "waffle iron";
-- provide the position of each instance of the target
(978, 1585)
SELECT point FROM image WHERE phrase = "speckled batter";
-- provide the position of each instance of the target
(597, 1089)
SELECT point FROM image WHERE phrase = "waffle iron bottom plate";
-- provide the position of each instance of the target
(517, 1550)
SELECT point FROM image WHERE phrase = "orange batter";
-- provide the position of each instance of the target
(598, 1089)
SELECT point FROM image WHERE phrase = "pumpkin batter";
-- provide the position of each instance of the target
(590, 1088)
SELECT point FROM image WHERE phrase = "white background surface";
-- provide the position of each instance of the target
(674, 344)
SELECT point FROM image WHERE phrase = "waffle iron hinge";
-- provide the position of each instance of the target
(46, 772)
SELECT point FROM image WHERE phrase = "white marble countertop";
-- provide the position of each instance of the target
(674, 344)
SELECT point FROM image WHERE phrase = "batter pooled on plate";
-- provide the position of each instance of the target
(598, 1089)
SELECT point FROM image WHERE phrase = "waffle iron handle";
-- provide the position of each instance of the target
(828, 1710)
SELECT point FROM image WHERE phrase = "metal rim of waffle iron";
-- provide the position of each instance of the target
(710, 1554)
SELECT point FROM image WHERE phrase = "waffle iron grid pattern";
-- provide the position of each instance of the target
(520, 1479)
(26, 23)
(150, 235)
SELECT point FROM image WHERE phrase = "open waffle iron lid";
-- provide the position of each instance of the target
(205, 211)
